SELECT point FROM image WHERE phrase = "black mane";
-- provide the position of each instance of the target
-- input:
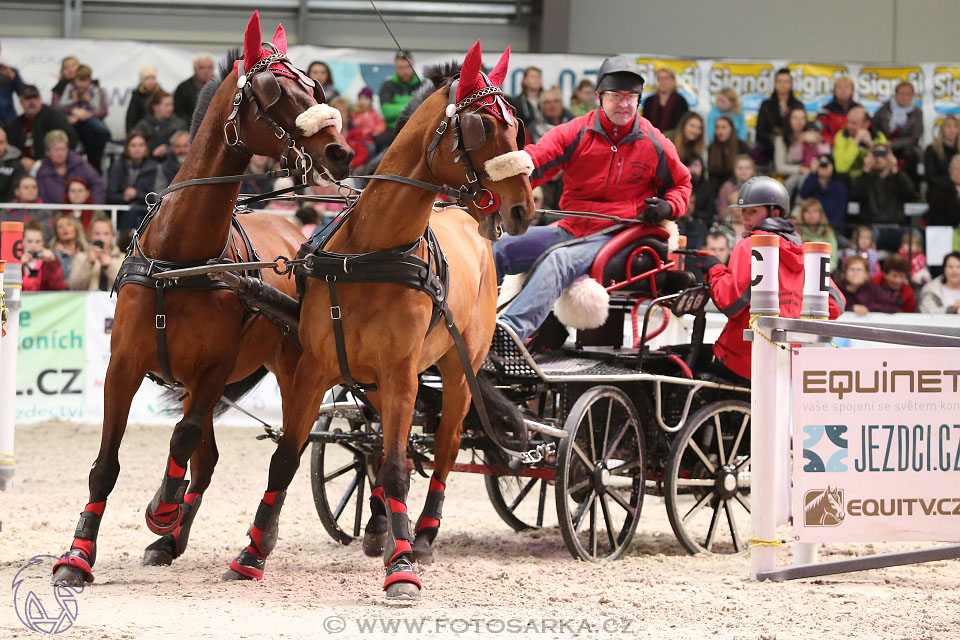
(209, 89)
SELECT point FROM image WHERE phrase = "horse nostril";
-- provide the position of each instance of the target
(338, 153)
(518, 213)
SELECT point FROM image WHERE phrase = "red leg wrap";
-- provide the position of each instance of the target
(250, 572)
(402, 576)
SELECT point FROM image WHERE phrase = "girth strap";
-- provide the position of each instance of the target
(341, 344)
(161, 324)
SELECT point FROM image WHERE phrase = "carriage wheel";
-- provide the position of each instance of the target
(708, 479)
(521, 502)
(342, 477)
(600, 475)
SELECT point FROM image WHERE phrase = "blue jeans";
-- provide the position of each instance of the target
(516, 254)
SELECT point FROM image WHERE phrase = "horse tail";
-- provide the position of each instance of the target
(236, 390)
(504, 414)
(233, 392)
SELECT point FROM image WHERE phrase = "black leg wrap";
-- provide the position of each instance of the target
(172, 489)
(181, 535)
(265, 527)
(88, 527)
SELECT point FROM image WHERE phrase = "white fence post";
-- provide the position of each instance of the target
(764, 300)
(11, 250)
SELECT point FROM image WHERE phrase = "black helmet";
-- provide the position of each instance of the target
(763, 191)
(619, 74)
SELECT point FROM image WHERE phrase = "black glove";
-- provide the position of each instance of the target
(703, 264)
(656, 210)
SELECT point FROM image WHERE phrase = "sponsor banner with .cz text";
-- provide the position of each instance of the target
(876, 444)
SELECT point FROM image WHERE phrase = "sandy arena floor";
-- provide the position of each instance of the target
(487, 581)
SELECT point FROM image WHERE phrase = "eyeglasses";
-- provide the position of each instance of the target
(631, 97)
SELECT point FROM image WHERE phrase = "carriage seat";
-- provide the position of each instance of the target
(646, 249)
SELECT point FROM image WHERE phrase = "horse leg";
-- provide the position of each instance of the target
(398, 392)
(456, 403)
(171, 546)
(299, 411)
(123, 378)
(375, 533)
(165, 512)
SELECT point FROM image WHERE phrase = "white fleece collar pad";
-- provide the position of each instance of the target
(318, 117)
(508, 165)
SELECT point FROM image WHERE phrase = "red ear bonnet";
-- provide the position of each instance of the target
(472, 79)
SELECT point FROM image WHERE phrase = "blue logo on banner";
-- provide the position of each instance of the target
(833, 449)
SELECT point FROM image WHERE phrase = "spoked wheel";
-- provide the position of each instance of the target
(522, 502)
(342, 476)
(708, 479)
(600, 475)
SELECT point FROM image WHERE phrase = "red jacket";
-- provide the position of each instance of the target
(906, 299)
(42, 276)
(609, 169)
(730, 290)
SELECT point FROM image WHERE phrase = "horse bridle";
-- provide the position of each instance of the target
(469, 135)
(260, 87)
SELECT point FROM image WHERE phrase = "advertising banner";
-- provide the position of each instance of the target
(687, 72)
(876, 442)
(51, 353)
(875, 85)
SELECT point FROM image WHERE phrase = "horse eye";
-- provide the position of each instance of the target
(487, 128)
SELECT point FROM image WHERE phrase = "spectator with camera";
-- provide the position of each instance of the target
(137, 109)
(894, 279)
(41, 268)
(159, 124)
(28, 130)
(179, 148)
(882, 189)
(832, 118)
(60, 165)
(96, 268)
(396, 91)
(186, 93)
(832, 194)
(131, 178)
(10, 169)
(68, 242)
(942, 294)
(901, 120)
(851, 145)
(666, 107)
(10, 82)
(84, 104)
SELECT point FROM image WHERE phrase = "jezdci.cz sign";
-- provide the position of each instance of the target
(876, 443)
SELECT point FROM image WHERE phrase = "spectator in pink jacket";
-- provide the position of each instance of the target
(366, 119)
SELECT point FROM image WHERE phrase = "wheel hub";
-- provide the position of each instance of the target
(727, 482)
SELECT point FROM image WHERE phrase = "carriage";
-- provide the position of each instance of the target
(604, 424)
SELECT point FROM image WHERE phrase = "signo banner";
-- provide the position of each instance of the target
(876, 442)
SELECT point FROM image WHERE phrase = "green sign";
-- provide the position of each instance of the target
(51, 356)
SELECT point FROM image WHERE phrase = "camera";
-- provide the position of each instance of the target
(824, 163)
(97, 243)
(880, 153)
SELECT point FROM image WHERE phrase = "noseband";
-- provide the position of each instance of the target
(259, 86)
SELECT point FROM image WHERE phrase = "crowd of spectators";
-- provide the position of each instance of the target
(52, 152)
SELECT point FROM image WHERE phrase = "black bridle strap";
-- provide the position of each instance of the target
(450, 192)
(272, 175)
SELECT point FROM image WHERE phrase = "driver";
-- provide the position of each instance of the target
(615, 163)
(764, 205)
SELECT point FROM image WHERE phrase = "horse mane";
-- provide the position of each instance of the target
(210, 89)
(813, 504)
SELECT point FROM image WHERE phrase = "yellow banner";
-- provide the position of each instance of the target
(813, 83)
(946, 90)
(687, 72)
(876, 85)
(753, 82)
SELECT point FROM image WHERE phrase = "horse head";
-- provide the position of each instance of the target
(833, 503)
(279, 111)
(476, 145)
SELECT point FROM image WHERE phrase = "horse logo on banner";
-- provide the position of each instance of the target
(823, 507)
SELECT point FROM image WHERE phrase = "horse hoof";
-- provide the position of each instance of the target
(156, 558)
(232, 575)
(70, 576)
(422, 551)
(373, 543)
(402, 593)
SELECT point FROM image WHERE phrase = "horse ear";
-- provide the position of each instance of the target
(499, 73)
(251, 41)
(469, 72)
(280, 39)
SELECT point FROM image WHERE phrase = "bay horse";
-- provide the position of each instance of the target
(387, 331)
(274, 110)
